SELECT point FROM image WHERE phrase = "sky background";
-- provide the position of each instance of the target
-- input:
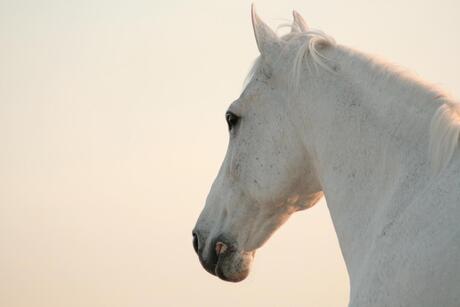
(112, 130)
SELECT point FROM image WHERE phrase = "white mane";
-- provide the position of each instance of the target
(444, 134)
(308, 52)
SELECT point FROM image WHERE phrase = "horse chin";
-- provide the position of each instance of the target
(234, 266)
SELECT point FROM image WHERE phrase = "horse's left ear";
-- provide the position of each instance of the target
(299, 22)
(267, 40)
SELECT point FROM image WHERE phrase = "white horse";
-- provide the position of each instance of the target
(317, 117)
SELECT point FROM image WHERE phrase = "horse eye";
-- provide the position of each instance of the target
(231, 119)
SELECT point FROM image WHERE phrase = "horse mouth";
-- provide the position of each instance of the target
(234, 266)
(225, 260)
(231, 265)
(235, 277)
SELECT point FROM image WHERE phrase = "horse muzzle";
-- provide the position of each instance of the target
(222, 259)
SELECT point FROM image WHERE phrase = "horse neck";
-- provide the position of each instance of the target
(368, 129)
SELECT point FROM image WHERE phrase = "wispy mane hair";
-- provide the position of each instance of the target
(444, 135)
(308, 55)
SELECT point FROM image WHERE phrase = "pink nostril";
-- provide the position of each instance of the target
(220, 248)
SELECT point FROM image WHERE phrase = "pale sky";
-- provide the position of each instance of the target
(112, 130)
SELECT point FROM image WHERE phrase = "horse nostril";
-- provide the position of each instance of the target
(195, 242)
(220, 248)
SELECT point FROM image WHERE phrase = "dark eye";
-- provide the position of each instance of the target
(231, 119)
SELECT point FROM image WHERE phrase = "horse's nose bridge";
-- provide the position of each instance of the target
(215, 211)
(216, 215)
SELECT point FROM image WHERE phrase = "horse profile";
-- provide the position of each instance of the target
(318, 118)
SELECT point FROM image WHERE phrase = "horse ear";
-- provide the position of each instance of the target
(300, 22)
(266, 38)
